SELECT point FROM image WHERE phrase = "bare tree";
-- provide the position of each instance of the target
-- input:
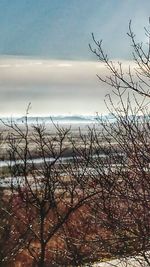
(124, 169)
(136, 80)
(95, 204)
(50, 194)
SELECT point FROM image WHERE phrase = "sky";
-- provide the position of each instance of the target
(45, 58)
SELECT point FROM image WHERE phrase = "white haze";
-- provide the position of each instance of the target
(52, 86)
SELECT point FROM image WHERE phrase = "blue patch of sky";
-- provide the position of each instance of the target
(61, 29)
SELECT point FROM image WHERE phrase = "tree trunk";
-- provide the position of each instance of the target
(41, 262)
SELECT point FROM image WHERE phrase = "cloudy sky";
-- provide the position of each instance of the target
(44, 53)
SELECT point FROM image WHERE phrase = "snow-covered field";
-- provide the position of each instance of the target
(124, 262)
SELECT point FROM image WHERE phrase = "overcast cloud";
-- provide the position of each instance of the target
(52, 86)
(45, 58)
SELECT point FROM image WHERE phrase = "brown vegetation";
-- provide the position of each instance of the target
(96, 205)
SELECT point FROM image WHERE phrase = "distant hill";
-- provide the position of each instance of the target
(58, 119)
